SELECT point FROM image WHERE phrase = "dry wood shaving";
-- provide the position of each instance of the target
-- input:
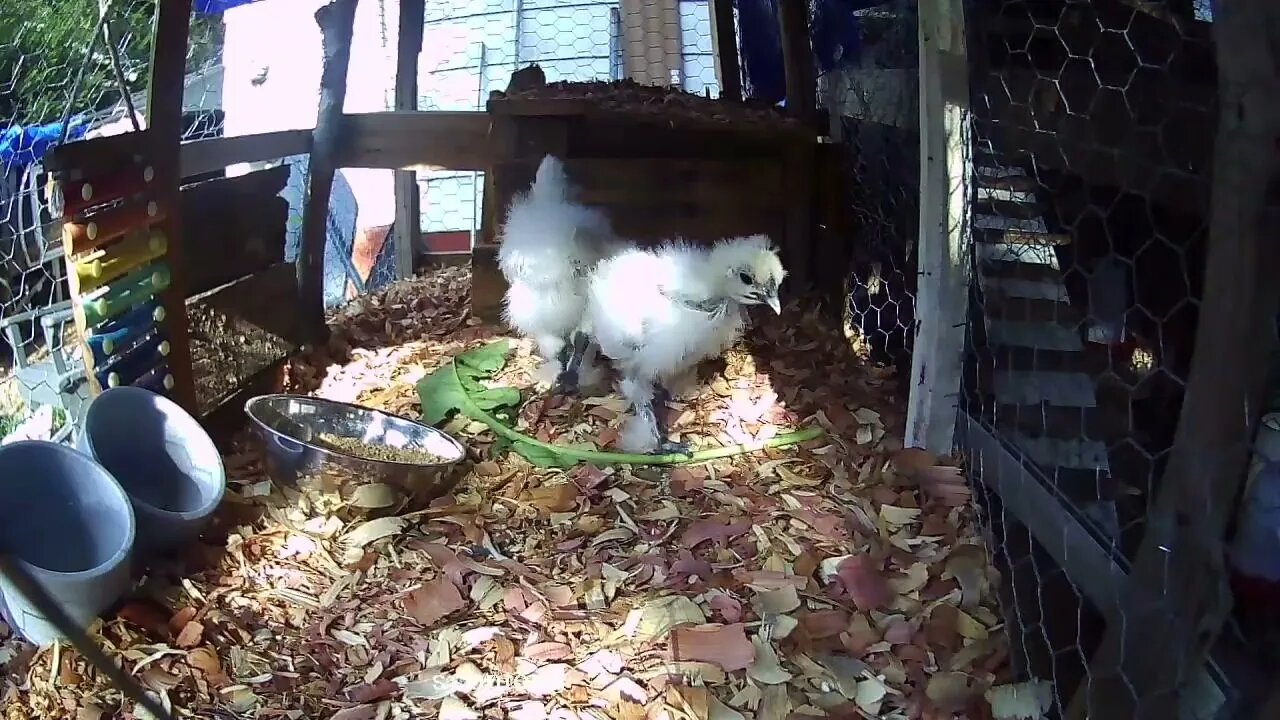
(844, 578)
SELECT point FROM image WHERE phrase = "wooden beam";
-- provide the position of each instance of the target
(1178, 595)
(797, 58)
(405, 140)
(202, 156)
(164, 125)
(724, 42)
(408, 235)
(941, 301)
(336, 20)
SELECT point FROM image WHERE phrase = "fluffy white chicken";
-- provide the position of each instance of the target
(549, 245)
(657, 313)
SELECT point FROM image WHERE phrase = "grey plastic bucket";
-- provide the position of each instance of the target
(68, 521)
(164, 460)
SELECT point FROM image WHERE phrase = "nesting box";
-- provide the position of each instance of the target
(663, 164)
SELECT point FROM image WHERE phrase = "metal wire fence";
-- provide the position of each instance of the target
(68, 70)
(868, 79)
(1093, 131)
(471, 49)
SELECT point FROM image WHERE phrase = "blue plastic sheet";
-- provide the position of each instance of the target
(216, 7)
(835, 32)
(23, 145)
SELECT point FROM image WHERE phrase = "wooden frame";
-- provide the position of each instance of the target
(724, 43)
(942, 298)
(408, 224)
(337, 24)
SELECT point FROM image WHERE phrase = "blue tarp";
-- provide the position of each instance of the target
(835, 31)
(217, 7)
(22, 146)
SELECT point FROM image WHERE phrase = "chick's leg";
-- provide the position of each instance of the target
(592, 374)
(661, 395)
(640, 429)
(554, 353)
(567, 381)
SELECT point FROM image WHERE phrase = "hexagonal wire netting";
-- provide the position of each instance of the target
(1092, 134)
(470, 48)
(65, 73)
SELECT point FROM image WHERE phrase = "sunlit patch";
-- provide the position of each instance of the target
(1142, 361)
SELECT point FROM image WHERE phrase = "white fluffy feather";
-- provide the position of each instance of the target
(549, 243)
(656, 313)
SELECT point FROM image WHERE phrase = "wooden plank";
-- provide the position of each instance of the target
(1029, 387)
(97, 155)
(799, 169)
(938, 358)
(607, 121)
(488, 286)
(225, 421)
(1039, 335)
(235, 227)
(1070, 544)
(408, 224)
(336, 22)
(202, 156)
(724, 42)
(242, 327)
(164, 123)
(797, 58)
(405, 140)
(646, 181)
(1178, 595)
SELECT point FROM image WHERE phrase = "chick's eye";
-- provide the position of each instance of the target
(746, 279)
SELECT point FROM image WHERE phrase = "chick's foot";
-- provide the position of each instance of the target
(566, 383)
(672, 447)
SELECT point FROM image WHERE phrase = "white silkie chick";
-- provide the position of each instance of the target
(549, 245)
(657, 313)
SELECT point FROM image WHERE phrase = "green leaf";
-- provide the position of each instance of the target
(457, 387)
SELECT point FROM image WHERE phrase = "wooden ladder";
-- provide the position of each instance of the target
(1039, 385)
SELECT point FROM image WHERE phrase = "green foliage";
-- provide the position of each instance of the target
(43, 44)
(458, 387)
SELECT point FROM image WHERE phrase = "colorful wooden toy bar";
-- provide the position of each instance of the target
(114, 299)
(132, 364)
(92, 231)
(116, 250)
(120, 334)
(77, 195)
(157, 380)
(98, 268)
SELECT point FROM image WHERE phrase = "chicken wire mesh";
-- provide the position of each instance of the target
(1092, 135)
(471, 49)
(868, 79)
(67, 70)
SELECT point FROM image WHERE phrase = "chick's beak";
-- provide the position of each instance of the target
(774, 303)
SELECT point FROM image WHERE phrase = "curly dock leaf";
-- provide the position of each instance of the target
(456, 387)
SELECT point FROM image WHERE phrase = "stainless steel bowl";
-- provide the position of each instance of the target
(336, 482)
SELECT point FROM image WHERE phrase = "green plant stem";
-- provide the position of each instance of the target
(596, 457)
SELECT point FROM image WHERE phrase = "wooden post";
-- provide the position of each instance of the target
(724, 42)
(941, 300)
(337, 21)
(1178, 596)
(797, 58)
(164, 124)
(408, 225)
